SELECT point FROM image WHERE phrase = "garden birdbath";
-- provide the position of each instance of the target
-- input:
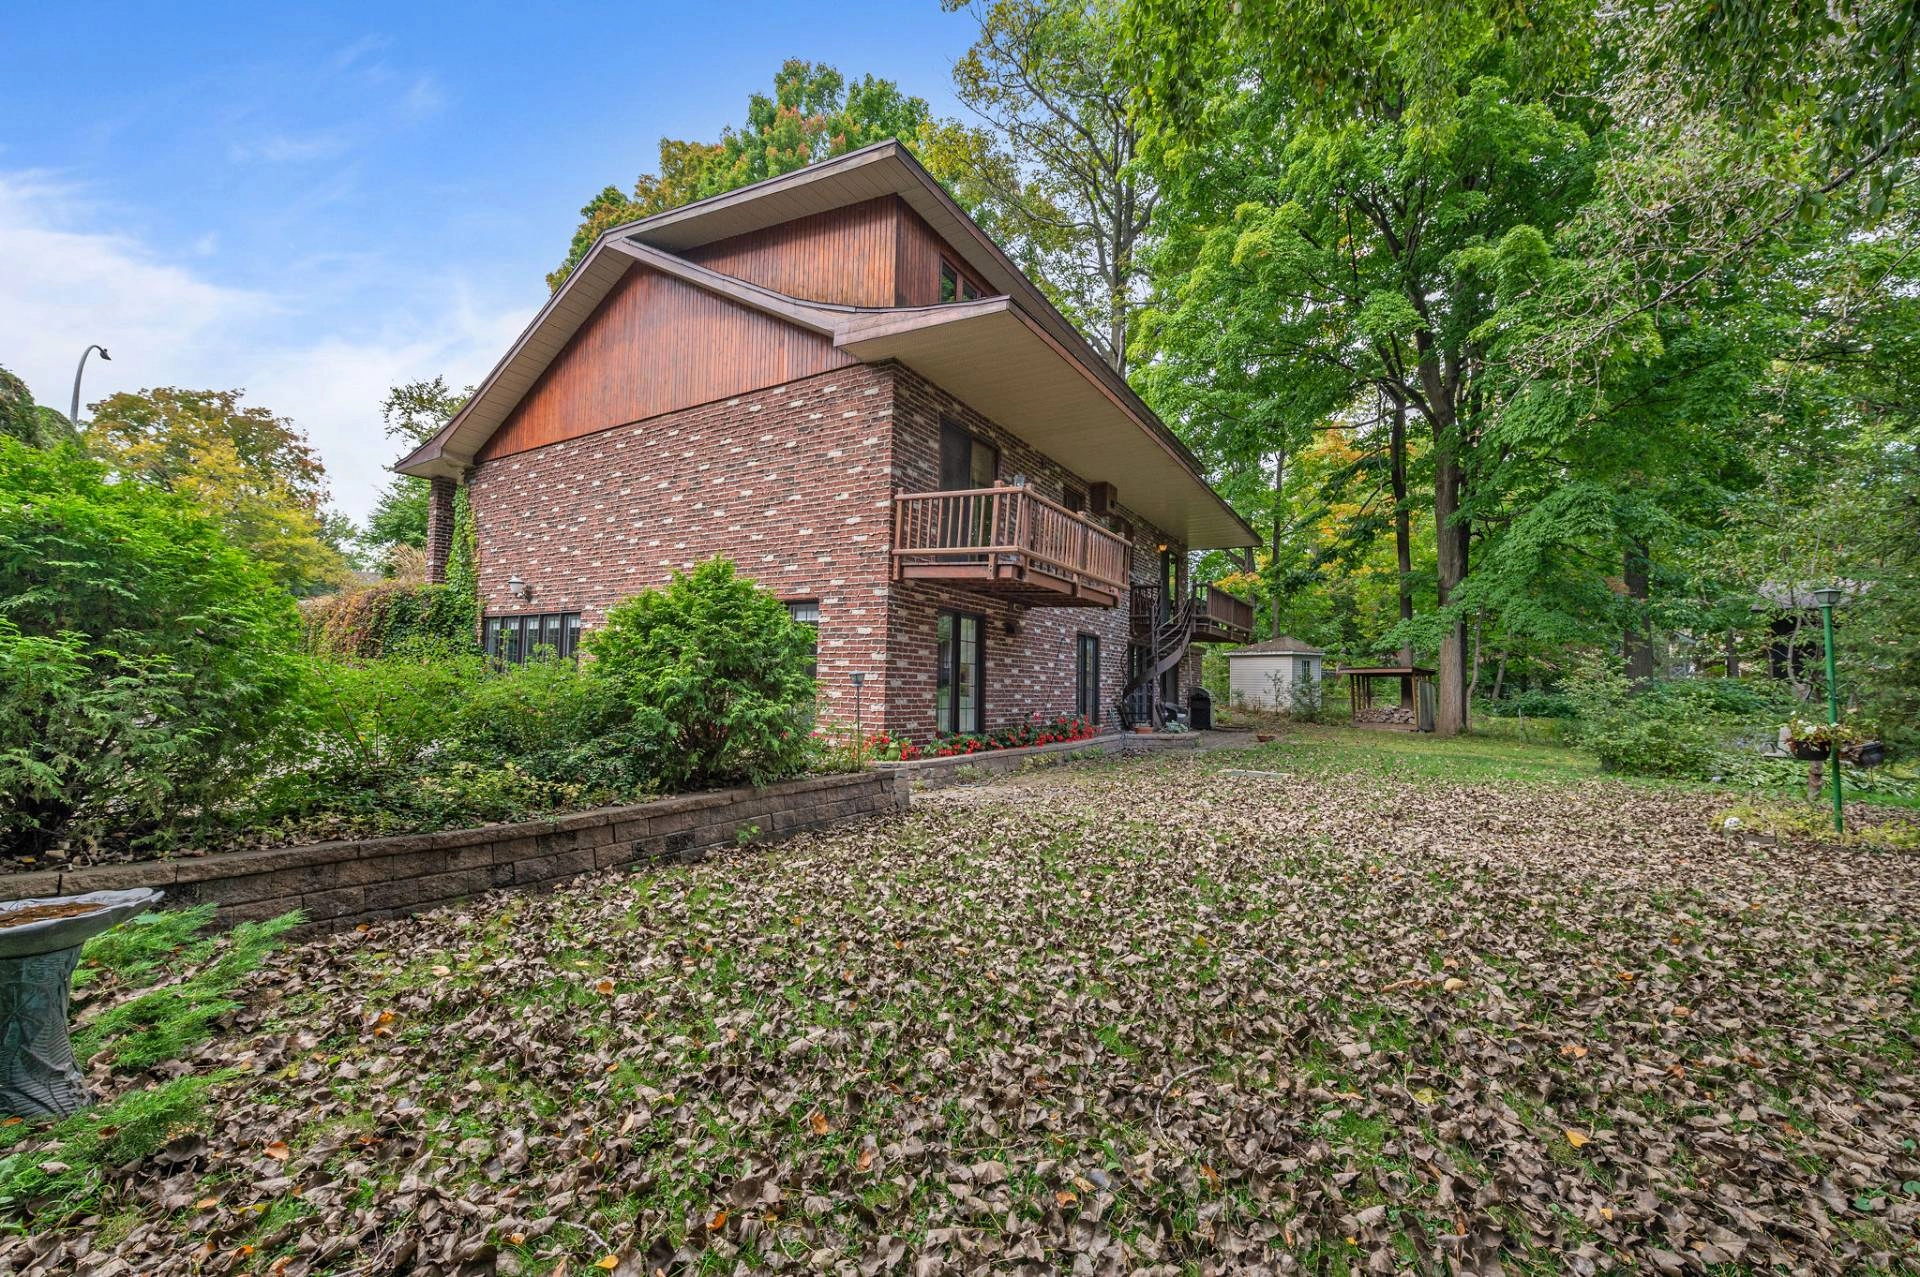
(39, 947)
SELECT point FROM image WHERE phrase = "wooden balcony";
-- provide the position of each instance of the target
(1218, 617)
(1011, 543)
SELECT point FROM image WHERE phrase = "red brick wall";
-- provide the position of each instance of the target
(794, 484)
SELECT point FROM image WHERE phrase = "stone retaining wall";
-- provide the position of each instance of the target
(340, 884)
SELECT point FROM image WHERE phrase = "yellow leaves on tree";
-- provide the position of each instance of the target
(252, 472)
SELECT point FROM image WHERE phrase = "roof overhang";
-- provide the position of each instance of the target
(448, 453)
(1002, 363)
(884, 168)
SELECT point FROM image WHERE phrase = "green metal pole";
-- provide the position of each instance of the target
(1833, 717)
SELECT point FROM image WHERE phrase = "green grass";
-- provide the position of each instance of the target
(1471, 759)
(1490, 754)
(51, 1172)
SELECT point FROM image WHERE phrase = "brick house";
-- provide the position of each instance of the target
(838, 381)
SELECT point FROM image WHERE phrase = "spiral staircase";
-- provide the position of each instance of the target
(1163, 631)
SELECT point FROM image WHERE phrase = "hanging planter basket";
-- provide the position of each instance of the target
(1868, 753)
(1808, 751)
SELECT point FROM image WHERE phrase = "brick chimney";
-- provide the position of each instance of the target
(439, 527)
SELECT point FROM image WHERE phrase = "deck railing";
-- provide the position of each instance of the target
(1006, 531)
(1212, 608)
(1224, 610)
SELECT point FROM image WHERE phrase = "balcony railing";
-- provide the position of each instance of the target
(1218, 617)
(1221, 613)
(1010, 542)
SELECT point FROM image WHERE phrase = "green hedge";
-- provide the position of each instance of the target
(146, 665)
(377, 620)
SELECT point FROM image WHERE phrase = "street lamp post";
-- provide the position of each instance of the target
(1824, 599)
(74, 414)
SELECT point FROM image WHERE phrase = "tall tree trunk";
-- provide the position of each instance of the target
(1450, 691)
(1638, 639)
(1279, 526)
(1499, 676)
(1733, 654)
(1402, 535)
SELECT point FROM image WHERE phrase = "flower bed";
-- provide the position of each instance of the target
(883, 747)
(1032, 732)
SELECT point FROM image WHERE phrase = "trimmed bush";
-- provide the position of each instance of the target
(713, 673)
(145, 663)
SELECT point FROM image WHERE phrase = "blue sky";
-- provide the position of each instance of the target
(317, 202)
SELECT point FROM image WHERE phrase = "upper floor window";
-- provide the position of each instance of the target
(518, 639)
(1075, 500)
(953, 285)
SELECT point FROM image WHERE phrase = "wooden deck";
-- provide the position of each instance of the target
(1011, 543)
(1218, 617)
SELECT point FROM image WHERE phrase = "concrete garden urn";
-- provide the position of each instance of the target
(39, 947)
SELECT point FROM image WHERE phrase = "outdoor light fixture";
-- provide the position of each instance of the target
(73, 414)
(1828, 596)
(519, 589)
(859, 678)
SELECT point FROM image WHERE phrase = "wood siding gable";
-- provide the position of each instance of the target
(844, 256)
(657, 345)
(918, 262)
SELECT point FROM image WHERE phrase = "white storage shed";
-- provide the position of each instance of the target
(1277, 674)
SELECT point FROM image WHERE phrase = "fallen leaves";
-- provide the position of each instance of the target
(1144, 1017)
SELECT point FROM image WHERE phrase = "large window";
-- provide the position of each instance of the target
(517, 639)
(957, 703)
(807, 613)
(1086, 678)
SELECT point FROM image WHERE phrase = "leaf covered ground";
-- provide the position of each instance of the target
(1139, 1016)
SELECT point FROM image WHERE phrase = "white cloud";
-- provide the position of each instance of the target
(68, 277)
(282, 148)
(360, 50)
(423, 99)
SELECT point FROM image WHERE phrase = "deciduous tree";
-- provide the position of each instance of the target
(251, 470)
(813, 114)
(1057, 176)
